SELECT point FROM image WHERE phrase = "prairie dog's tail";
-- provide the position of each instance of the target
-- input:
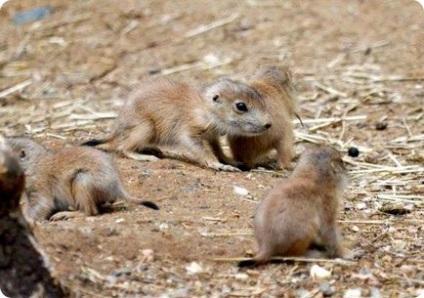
(105, 144)
(148, 204)
(93, 143)
(134, 201)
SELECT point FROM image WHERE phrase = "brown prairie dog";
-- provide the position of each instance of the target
(24, 268)
(275, 88)
(302, 210)
(179, 116)
(77, 178)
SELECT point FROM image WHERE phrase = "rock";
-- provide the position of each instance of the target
(194, 268)
(319, 273)
(353, 293)
(241, 191)
(375, 293)
(242, 276)
(381, 125)
(361, 206)
(395, 208)
(326, 289)
(148, 255)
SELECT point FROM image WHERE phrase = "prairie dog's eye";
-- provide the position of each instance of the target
(241, 106)
(215, 98)
(22, 154)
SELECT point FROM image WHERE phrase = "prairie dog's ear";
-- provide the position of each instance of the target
(274, 75)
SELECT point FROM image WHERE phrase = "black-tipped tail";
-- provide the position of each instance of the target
(93, 143)
(149, 204)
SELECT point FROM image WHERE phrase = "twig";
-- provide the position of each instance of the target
(403, 198)
(378, 44)
(245, 293)
(334, 119)
(13, 89)
(213, 235)
(205, 28)
(330, 90)
(289, 259)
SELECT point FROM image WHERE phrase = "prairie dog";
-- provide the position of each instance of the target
(77, 178)
(275, 88)
(24, 270)
(302, 210)
(177, 115)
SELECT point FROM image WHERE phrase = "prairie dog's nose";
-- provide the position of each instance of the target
(268, 125)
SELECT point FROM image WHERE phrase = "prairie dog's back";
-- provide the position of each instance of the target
(302, 209)
(167, 106)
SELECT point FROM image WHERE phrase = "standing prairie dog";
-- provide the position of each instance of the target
(78, 178)
(177, 115)
(302, 210)
(275, 88)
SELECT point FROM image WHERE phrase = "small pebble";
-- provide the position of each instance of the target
(353, 152)
(361, 206)
(241, 191)
(326, 289)
(148, 255)
(121, 272)
(381, 125)
(242, 276)
(154, 70)
(353, 293)
(375, 293)
(319, 273)
(194, 268)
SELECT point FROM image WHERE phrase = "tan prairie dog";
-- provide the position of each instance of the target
(276, 89)
(301, 211)
(72, 178)
(24, 270)
(177, 115)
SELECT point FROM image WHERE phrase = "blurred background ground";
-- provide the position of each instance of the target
(359, 74)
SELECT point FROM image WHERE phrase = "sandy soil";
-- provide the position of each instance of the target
(361, 60)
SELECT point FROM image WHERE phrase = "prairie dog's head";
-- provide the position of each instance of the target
(326, 162)
(237, 108)
(27, 150)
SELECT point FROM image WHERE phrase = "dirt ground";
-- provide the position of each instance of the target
(358, 66)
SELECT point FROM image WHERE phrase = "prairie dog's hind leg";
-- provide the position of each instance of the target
(138, 139)
(83, 192)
